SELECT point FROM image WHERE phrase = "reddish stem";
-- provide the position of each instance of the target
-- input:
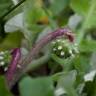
(35, 51)
(16, 54)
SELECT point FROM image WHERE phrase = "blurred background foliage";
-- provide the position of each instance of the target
(59, 72)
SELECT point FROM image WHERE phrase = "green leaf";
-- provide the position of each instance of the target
(88, 46)
(81, 63)
(36, 87)
(58, 5)
(5, 5)
(67, 83)
(80, 6)
(3, 90)
(89, 22)
(12, 40)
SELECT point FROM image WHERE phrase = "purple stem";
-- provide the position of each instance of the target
(34, 53)
(16, 54)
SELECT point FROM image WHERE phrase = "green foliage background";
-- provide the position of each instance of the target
(39, 18)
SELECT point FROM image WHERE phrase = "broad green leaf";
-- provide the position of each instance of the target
(89, 22)
(58, 5)
(88, 46)
(3, 89)
(36, 87)
(81, 63)
(80, 6)
(12, 40)
(67, 83)
(5, 5)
